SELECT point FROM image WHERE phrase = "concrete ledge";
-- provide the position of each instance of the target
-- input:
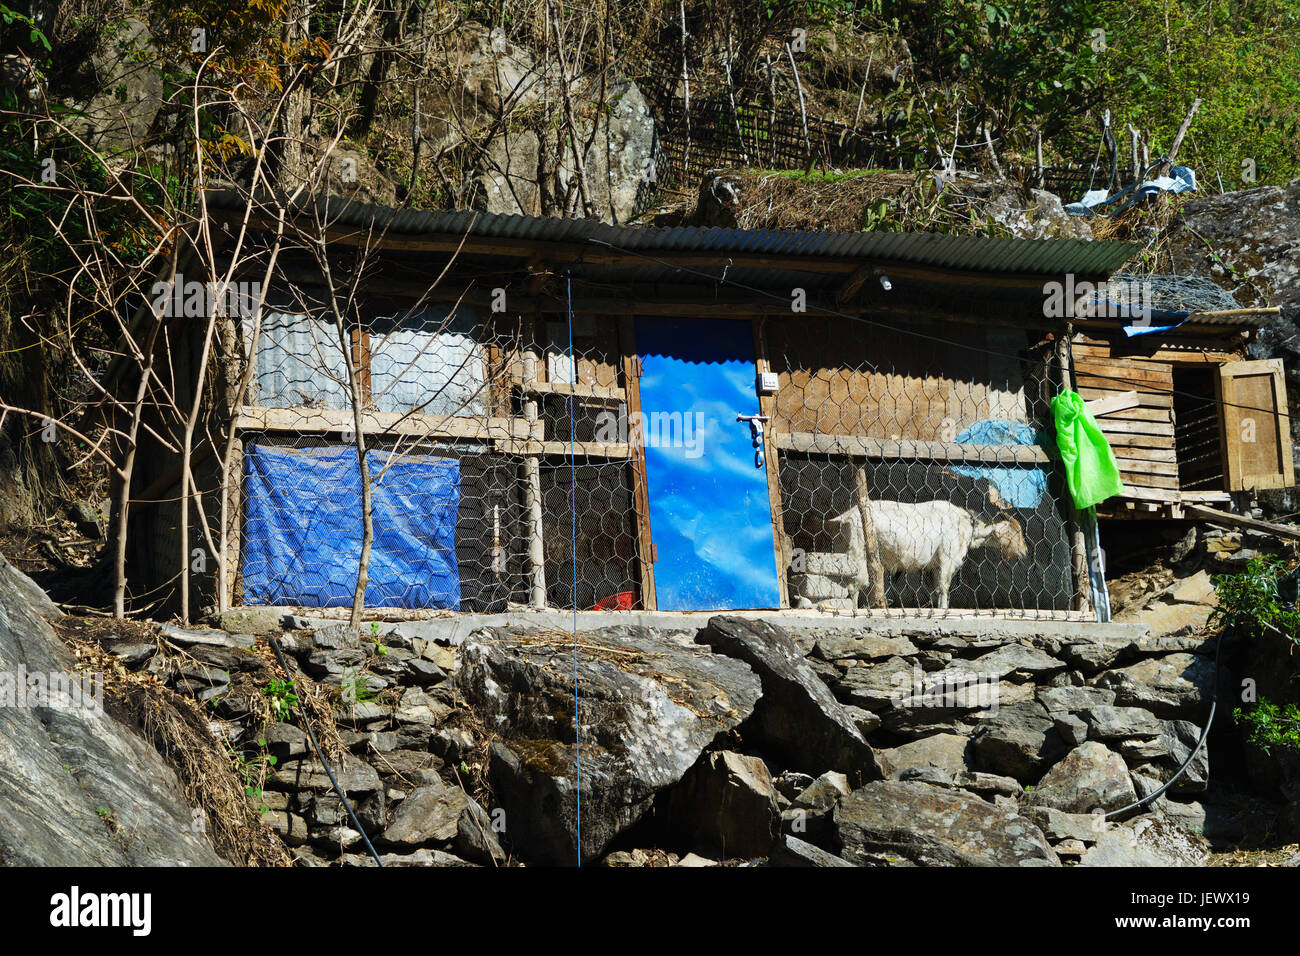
(452, 628)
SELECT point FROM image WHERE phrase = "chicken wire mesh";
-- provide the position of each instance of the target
(935, 446)
(496, 481)
(466, 424)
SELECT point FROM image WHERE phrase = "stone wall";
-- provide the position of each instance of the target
(792, 740)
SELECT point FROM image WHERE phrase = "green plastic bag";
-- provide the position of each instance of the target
(1091, 471)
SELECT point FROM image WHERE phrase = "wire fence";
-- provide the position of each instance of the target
(551, 461)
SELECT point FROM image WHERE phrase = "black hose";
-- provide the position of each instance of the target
(329, 770)
(1200, 744)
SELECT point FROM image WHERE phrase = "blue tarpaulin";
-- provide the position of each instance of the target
(1099, 202)
(1020, 486)
(302, 531)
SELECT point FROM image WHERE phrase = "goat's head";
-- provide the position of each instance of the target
(1009, 538)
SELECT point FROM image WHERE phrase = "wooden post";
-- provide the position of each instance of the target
(875, 567)
(767, 405)
(532, 478)
(1078, 544)
(640, 494)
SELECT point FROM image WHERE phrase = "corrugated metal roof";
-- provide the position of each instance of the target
(1032, 257)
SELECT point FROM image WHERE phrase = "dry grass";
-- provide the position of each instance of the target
(177, 727)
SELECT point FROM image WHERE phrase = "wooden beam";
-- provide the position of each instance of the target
(1241, 521)
(579, 390)
(855, 446)
(560, 446)
(1113, 403)
(853, 284)
(260, 418)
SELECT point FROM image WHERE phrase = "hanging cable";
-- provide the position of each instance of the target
(573, 528)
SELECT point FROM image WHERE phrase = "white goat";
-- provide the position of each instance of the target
(932, 536)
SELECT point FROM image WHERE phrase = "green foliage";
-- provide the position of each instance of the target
(1269, 725)
(1252, 600)
(17, 27)
(354, 688)
(283, 698)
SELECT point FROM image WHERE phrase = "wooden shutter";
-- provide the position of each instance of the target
(1256, 437)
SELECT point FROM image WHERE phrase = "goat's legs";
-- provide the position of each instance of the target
(942, 583)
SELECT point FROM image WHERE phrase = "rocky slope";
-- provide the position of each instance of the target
(800, 742)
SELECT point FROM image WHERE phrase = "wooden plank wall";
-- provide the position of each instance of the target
(845, 378)
(1142, 437)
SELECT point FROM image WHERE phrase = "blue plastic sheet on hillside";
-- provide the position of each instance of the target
(1099, 202)
(1020, 486)
(302, 531)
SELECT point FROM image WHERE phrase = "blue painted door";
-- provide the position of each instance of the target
(710, 517)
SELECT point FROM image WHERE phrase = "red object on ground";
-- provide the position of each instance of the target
(622, 601)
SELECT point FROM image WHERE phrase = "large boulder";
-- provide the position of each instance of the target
(935, 827)
(949, 752)
(648, 704)
(77, 787)
(798, 718)
(1175, 685)
(725, 805)
(1089, 778)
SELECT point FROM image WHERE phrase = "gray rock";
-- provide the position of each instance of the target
(333, 665)
(452, 743)
(864, 720)
(132, 653)
(189, 637)
(445, 815)
(797, 717)
(987, 785)
(422, 672)
(417, 706)
(823, 792)
(355, 776)
(862, 646)
(950, 752)
(1171, 749)
(1059, 825)
(1072, 730)
(421, 857)
(791, 783)
(935, 827)
(1090, 777)
(791, 851)
(1174, 686)
(1111, 723)
(876, 686)
(1019, 741)
(1147, 842)
(1096, 654)
(1015, 662)
(286, 742)
(336, 637)
(1069, 700)
(725, 804)
(650, 705)
(63, 760)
